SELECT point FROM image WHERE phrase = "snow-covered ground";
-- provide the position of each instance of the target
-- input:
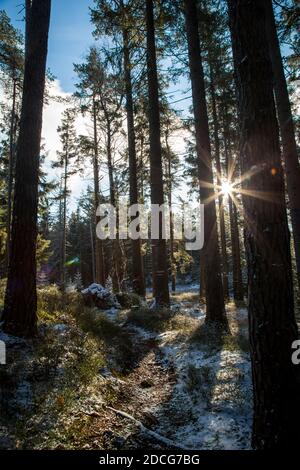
(212, 398)
(210, 406)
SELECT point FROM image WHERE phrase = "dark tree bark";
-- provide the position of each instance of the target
(272, 326)
(136, 253)
(159, 250)
(237, 278)
(92, 230)
(219, 180)
(11, 165)
(215, 310)
(202, 279)
(20, 309)
(289, 146)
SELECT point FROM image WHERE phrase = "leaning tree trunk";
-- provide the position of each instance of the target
(20, 309)
(136, 252)
(289, 146)
(215, 310)
(272, 326)
(159, 250)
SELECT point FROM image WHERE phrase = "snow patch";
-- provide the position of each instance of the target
(211, 401)
(101, 296)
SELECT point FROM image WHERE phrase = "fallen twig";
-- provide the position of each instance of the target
(145, 430)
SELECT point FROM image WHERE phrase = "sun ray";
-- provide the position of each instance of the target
(253, 171)
(206, 184)
(213, 197)
(259, 194)
(231, 168)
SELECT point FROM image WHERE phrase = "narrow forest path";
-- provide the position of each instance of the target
(146, 387)
(130, 379)
(190, 397)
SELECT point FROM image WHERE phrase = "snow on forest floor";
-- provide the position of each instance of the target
(211, 400)
(95, 373)
(210, 405)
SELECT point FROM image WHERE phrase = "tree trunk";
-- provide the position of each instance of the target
(112, 189)
(237, 278)
(20, 309)
(93, 252)
(159, 251)
(136, 253)
(98, 258)
(170, 200)
(215, 310)
(272, 326)
(116, 252)
(141, 171)
(289, 146)
(202, 279)
(60, 228)
(12, 138)
(219, 180)
(64, 225)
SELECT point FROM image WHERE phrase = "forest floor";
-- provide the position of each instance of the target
(125, 379)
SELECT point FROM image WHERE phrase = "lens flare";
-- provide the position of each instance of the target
(226, 188)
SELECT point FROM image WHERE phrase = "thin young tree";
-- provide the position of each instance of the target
(110, 102)
(88, 94)
(285, 118)
(169, 183)
(159, 249)
(272, 325)
(65, 162)
(215, 309)
(20, 309)
(171, 173)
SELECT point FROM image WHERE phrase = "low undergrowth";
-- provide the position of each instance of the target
(199, 334)
(48, 381)
(116, 342)
(53, 303)
(213, 338)
(160, 320)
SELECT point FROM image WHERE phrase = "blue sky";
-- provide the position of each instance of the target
(70, 35)
(69, 38)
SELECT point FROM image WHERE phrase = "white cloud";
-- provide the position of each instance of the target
(52, 116)
(51, 120)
